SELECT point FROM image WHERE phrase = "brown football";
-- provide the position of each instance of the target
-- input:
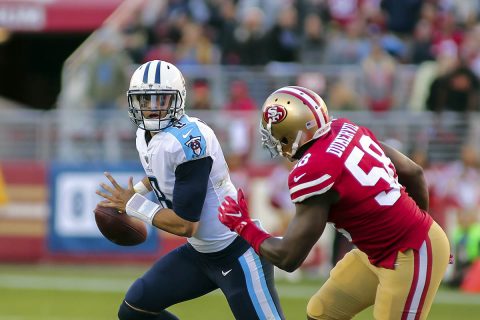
(120, 228)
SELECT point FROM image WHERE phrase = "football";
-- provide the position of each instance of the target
(120, 228)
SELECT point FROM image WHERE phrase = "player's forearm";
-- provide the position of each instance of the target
(167, 220)
(304, 230)
(282, 254)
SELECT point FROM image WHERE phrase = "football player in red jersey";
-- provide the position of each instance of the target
(372, 193)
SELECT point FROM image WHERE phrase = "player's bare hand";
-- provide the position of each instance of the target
(115, 195)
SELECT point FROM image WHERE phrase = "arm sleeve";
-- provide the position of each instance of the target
(191, 183)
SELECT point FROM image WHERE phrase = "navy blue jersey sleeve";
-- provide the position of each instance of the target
(191, 183)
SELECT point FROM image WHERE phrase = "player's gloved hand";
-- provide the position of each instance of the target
(235, 215)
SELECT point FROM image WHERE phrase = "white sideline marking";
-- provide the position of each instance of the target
(62, 283)
(16, 317)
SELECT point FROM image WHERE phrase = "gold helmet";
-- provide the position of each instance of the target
(291, 117)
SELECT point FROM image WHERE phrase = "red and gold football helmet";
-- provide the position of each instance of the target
(291, 117)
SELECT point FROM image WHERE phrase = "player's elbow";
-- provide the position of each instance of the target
(414, 175)
(290, 266)
(410, 171)
(188, 229)
(417, 171)
(289, 263)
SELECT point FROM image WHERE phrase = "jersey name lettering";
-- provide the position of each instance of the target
(344, 137)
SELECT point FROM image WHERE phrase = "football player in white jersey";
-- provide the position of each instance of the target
(185, 167)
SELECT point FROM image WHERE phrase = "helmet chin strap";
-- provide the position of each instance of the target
(296, 143)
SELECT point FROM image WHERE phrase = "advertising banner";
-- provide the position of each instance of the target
(72, 227)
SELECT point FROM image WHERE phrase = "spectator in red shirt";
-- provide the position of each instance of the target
(240, 97)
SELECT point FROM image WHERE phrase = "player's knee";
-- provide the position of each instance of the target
(128, 313)
(136, 291)
(133, 296)
(315, 309)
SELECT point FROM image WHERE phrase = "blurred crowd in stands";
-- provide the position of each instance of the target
(363, 48)
(439, 39)
(442, 37)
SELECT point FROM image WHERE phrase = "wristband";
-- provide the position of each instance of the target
(141, 188)
(141, 208)
(254, 235)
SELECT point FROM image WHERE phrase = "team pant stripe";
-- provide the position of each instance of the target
(263, 281)
(427, 280)
(420, 282)
(257, 286)
(412, 291)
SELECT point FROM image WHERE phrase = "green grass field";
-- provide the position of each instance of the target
(52, 292)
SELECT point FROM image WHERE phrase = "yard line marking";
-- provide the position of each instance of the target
(64, 283)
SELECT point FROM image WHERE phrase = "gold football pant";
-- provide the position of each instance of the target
(405, 293)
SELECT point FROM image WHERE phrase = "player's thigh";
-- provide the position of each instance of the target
(350, 288)
(407, 292)
(248, 285)
(174, 278)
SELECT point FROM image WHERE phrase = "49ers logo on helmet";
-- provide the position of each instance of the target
(275, 113)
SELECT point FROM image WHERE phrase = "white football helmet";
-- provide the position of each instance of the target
(291, 117)
(156, 97)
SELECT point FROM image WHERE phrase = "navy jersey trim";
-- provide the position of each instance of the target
(190, 190)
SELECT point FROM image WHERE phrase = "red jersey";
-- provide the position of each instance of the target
(374, 211)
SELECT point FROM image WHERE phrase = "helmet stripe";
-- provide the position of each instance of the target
(309, 102)
(324, 115)
(319, 102)
(153, 71)
(145, 73)
(304, 91)
(157, 72)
